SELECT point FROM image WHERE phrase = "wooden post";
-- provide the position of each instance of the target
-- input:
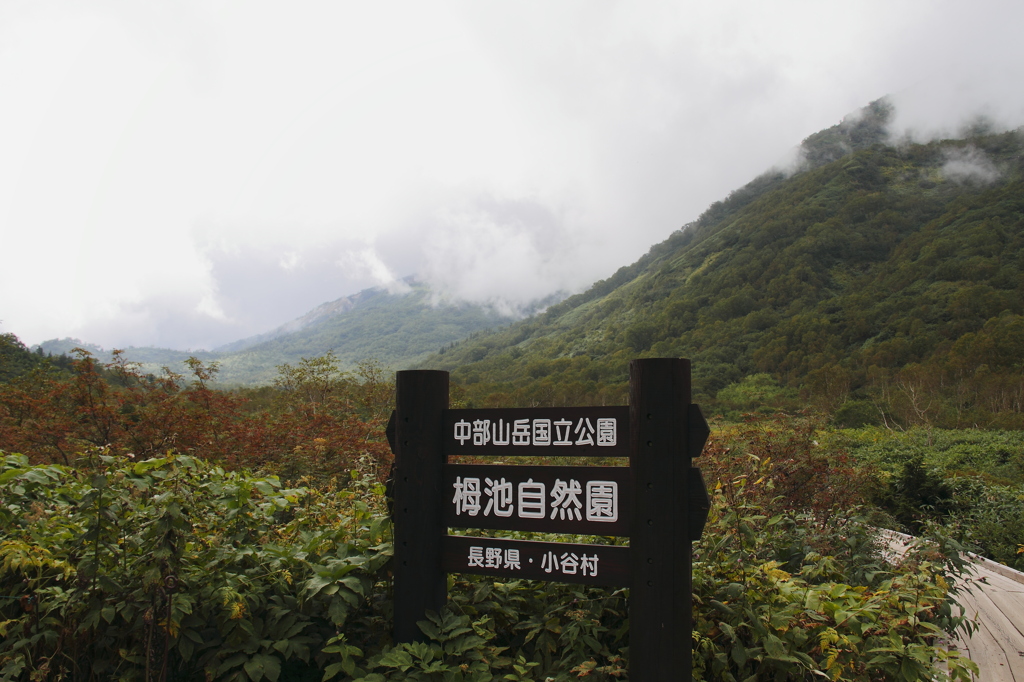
(660, 618)
(421, 396)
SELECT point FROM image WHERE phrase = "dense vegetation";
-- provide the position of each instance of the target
(171, 568)
(127, 560)
(315, 417)
(971, 481)
(16, 359)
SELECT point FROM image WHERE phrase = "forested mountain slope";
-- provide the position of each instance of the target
(883, 281)
(395, 329)
(15, 358)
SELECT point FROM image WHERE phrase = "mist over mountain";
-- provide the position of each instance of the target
(831, 277)
(879, 272)
(395, 329)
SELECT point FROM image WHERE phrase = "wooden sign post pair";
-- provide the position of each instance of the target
(659, 501)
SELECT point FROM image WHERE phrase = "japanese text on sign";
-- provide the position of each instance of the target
(599, 503)
(566, 563)
(601, 431)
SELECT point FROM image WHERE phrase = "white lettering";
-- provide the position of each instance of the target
(531, 500)
(566, 501)
(501, 433)
(607, 433)
(585, 431)
(521, 432)
(542, 432)
(467, 495)
(563, 429)
(462, 431)
(500, 497)
(602, 501)
(481, 432)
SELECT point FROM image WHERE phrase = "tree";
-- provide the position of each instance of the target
(314, 381)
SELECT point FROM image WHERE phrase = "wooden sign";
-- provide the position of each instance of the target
(525, 559)
(659, 502)
(545, 499)
(538, 432)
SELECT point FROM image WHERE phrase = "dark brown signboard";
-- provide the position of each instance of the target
(659, 501)
(538, 431)
(558, 561)
(548, 499)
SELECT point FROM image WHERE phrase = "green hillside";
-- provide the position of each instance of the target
(15, 358)
(396, 330)
(883, 283)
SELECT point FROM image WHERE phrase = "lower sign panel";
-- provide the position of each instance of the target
(552, 561)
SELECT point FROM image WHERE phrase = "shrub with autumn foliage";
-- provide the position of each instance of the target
(316, 421)
(136, 544)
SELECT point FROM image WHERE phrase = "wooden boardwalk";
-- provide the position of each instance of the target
(993, 597)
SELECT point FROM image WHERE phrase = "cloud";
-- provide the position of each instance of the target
(170, 320)
(970, 165)
(366, 264)
(233, 165)
(962, 63)
(499, 252)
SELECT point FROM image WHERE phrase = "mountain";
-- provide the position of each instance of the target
(151, 358)
(395, 329)
(886, 281)
(321, 312)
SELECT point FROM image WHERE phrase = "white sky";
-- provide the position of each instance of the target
(186, 174)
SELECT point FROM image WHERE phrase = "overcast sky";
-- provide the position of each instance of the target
(185, 174)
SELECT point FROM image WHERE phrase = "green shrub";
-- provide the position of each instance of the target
(174, 569)
(790, 596)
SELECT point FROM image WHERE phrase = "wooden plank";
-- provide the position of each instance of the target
(990, 657)
(1002, 569)
(1012, 604)
(996, 582)
(971, 612)
(546, 499)
(660, 600)
(1009, 601)
(988, 645)
(538, 432)
(525, 559)
(1006, 634)
(421, 396)
(982, 647)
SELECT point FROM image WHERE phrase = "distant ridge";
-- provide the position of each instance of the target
(317, 314)
(396, 329)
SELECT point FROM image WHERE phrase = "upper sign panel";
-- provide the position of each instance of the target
(540, 431)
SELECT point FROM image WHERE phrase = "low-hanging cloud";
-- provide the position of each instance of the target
(506, 254)
(970, 165)
(974, 88)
